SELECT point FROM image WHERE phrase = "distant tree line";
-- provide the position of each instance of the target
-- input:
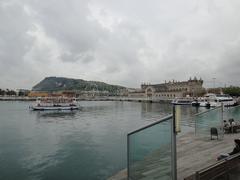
(215, 90)
(232, 90)
(7, 92)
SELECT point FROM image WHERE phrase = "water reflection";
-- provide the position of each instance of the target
(146, 107)
(85, 144)
(155, 111)
(156, 107)
(55, 114)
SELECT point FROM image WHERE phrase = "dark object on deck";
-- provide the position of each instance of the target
(208, 105)
(214, 132)
(232, 129)
(231, 121)
(236, 148)
(227, 169)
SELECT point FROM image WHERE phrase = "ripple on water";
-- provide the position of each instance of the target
(87, 144)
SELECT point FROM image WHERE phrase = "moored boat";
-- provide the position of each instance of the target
(195, 103)
(217, 100)
(203, 102)
(182, 101)
(55, 103)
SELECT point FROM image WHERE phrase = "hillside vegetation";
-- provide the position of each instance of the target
(61, 84)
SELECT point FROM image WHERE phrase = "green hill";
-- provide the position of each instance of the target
(61, 84)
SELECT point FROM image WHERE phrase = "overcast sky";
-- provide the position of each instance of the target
(123, 42)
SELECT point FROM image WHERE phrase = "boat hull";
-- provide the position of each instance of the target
(51, 108)
(178, 103)
(204, 104)
(181, 101)
(195, 104)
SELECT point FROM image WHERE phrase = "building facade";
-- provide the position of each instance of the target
(171, 89)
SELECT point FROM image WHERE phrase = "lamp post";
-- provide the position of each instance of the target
(214, 82)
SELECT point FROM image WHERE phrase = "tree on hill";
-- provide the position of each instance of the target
(63, 84)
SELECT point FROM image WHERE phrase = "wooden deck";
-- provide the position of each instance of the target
(195, 153)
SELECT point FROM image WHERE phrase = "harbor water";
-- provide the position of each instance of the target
(89, 144)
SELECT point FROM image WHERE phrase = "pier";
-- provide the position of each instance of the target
(17, 98)
(194, 154)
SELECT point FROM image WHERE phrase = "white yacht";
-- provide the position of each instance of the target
(55, 103)
(203, 102)
(216, 100)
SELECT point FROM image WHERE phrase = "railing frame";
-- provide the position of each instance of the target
(221, 121)
(173, 143)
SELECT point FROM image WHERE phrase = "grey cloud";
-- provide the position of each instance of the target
(85, 58)
(13, 40)
(68, 22)
(14, 43)
(230, 64)
(126, 42)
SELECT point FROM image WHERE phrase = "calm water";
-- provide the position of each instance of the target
(89, 144)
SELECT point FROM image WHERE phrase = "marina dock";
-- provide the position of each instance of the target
(194, 154)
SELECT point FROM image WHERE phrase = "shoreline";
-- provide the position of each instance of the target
(127, 99)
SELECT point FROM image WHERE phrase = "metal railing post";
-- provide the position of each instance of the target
(128, 160)
(222, 111)
(195, 125)
(174, 145)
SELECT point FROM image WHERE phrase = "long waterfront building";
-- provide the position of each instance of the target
(170, 90)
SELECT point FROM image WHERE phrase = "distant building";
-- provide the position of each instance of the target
(170, 90)
(91, 94)
(55, 94)
(38, 94)
(22, 92)
(136, 93)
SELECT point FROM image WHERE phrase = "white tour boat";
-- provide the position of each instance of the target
(55, 103)
(217, 100)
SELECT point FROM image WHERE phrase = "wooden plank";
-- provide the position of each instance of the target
(193, 154)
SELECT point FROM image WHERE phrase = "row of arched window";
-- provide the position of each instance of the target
(165, 95)
(179, 89)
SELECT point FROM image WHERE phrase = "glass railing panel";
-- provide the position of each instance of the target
(232, 113)
(207, 120)
(232, 119)
(149, 152)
